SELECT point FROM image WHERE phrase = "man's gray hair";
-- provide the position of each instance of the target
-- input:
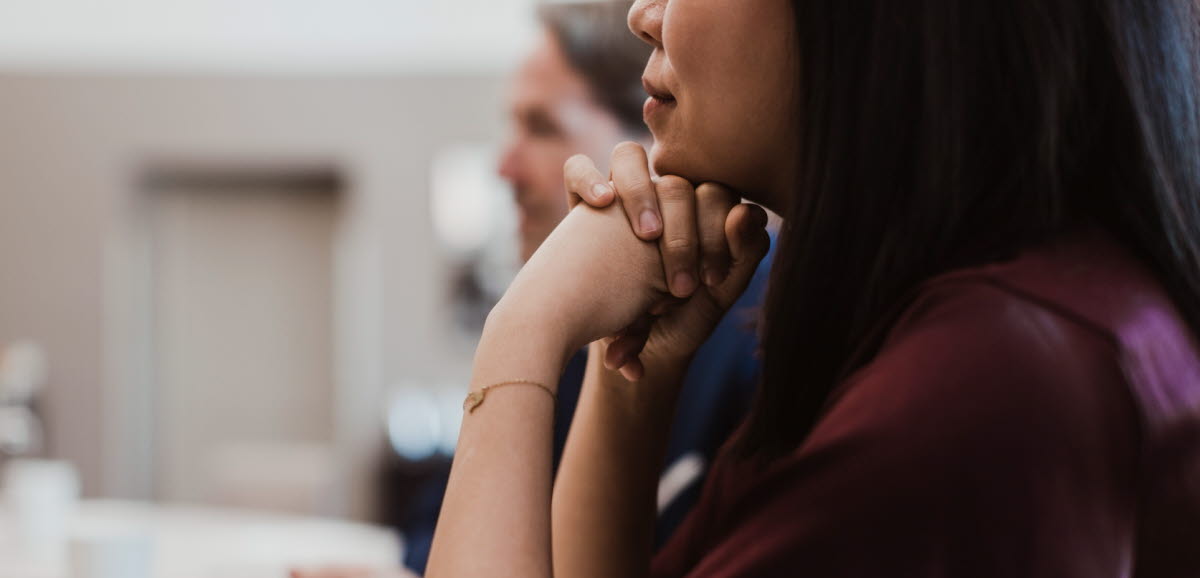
(598, 45)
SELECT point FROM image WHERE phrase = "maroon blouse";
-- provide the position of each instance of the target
(1036, 418)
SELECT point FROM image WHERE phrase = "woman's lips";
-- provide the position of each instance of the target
(659, 101)
(655, 105)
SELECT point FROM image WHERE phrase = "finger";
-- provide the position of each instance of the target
(631, 178)
(746, 232)
(614, 353)
(586, 183)
(624, 350)
(628, 343)
(713, 203)
(634, 370)
(621, 354)
(680, 243)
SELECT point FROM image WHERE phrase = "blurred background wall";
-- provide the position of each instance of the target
(215, 217)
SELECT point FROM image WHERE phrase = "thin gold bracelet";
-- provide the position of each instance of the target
(475, 398)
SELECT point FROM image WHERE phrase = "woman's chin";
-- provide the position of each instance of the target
(699, 168)
(668, 160)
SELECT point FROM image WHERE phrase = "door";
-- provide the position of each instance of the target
(242, 277)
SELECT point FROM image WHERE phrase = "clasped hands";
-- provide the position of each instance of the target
(644, 267)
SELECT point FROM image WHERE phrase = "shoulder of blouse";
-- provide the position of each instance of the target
(1094, 283)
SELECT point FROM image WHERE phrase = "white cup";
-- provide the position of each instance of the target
(42, 496)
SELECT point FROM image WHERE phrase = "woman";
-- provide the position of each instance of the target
(980, 353)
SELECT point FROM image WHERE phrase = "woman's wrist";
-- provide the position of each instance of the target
(518, 344)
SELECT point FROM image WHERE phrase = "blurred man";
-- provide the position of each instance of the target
(580, 91)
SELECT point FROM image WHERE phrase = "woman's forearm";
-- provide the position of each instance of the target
(604, 495)
(590, 278)
(495, 519)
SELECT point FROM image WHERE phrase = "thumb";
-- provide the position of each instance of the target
(745, 231)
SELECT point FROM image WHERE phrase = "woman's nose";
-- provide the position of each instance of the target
(645, 20)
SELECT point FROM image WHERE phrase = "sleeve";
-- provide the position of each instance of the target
(990, 437)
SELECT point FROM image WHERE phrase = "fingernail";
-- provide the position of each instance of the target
(649, 221)
(601, 191)
(711, 277)
(684, 283)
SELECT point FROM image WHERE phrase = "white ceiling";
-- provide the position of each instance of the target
(264, 36)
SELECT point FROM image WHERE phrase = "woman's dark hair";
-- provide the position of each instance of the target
(940, 134)
(595, 38)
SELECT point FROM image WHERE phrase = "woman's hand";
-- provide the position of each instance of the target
(704, 233)
(682, 242)
(590, 278)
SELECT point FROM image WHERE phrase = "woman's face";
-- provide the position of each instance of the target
(722, 86)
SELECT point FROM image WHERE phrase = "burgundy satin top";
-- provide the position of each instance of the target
(1036, 418)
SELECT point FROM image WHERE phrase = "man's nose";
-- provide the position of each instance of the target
(510, 165)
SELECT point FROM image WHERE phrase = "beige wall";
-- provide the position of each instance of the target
(72, 151)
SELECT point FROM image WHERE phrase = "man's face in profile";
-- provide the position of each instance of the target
(553, 117)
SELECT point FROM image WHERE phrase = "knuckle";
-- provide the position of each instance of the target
(714, 193)
(628, 148)
(679, 245)
(577, 166)
(706, 198)
(636, 188)
(714, 188)
(673, 188)
(713, 242)
(575, 161)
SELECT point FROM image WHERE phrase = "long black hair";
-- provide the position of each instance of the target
(939, 134)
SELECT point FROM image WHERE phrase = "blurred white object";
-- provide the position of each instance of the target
(472, 207)
(414, 422)
(298, 478)
(111, 555)
(20, 430)
(23, 369)
(687, 470)
(22, 372)
(42, 496)
(204, 542)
